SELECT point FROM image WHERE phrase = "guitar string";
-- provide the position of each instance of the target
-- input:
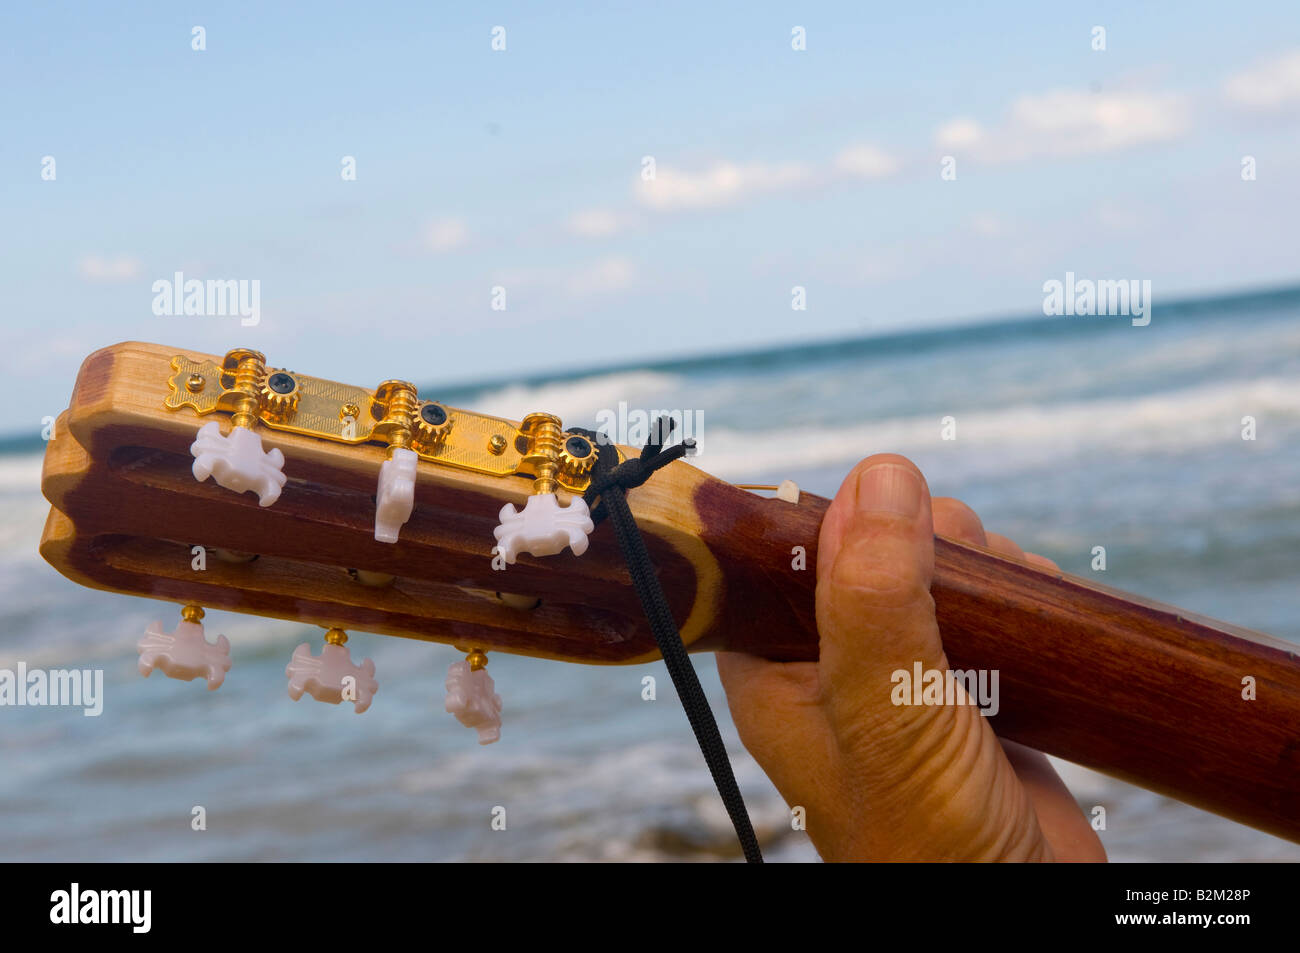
(610, 483)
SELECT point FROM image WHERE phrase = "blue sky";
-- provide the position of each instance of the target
(522, 169)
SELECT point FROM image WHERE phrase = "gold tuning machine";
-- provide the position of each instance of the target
(241, 377)
(236, 460)
(432, 425)
(395, 404)
(279, 394)
(577, 457)
(544, 527)
(543, 454)
(393, 414)
(553, 456)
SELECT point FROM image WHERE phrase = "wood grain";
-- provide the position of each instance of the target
(1124, 685)
(118, 471)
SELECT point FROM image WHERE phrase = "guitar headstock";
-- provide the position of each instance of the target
(382, 511)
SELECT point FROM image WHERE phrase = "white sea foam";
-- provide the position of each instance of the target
(1012, 438)
(19, 474)
(575, 401)
(113, 631)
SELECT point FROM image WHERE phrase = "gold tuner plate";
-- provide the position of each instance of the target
(279, 399)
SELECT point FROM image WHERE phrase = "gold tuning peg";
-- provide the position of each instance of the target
(237, 460)
(543, 527)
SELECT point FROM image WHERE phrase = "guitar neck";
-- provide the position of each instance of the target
(1138, 690)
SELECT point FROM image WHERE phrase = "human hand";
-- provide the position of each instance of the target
(880, 781)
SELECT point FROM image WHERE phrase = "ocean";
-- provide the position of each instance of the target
(1071, 432)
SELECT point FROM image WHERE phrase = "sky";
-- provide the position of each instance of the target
(518, 177)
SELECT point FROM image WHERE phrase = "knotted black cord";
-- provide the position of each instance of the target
(610, 482)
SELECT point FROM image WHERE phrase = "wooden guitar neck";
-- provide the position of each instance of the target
(1127, 686)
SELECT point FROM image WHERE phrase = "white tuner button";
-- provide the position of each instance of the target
(395, 498)
(185, 654)
(237, 462)
(331, 676)
(472, 698)
(544, 527)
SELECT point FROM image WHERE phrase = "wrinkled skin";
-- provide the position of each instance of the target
(880, 781)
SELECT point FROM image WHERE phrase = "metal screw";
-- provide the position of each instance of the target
(195, 383)
(497, 444)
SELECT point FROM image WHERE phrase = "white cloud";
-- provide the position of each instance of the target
(445, 235)
(866, 161)
(722, 183)
(601, 277)
(987, 225)
(959, 134)
(1272, 84)
(595, 223)
(121, 268)
(1122, 218)
(598, 277)
(1068, 122)
(726, 182)
(881, 264)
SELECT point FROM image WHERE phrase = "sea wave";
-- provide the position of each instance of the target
(576, 399)
(20, 473)
(1025, 435)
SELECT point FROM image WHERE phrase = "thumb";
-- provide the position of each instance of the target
(874, 610)
(874, 615)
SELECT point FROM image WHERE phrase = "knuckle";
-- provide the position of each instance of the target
(954, 518)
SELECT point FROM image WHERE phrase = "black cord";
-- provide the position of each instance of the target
(610, 482)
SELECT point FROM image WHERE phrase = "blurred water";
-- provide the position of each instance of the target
(1072, 433)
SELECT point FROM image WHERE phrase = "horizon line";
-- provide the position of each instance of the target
(23, 440)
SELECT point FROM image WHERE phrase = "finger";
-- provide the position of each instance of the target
(875, 564)
(956, 520)
(1000, 544)
(756, 687)
(1062, 822)
(843, 510)
(776, 708)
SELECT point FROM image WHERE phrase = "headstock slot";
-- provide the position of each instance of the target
(410, 608)
(447, 539)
